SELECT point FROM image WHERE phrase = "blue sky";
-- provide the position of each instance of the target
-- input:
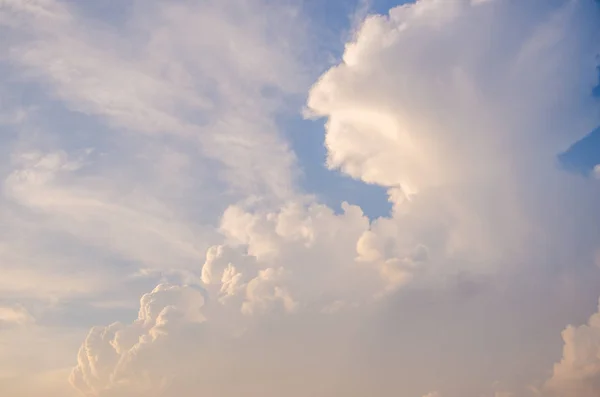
(584, 155)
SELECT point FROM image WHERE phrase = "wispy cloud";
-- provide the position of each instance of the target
(216, 92)
(15, 315)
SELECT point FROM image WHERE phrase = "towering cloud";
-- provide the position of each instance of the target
(434, 88)
(438, 98)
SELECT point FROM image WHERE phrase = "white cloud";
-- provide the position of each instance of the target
(411, 107)
(137, 358)
(578, 372)
(435, 98)
(328, 258)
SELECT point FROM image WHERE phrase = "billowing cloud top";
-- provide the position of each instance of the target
(150, 143)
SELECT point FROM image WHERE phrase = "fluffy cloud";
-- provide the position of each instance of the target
(412, 108)
(240, 279)
(180, 343)
(436, 99)
(327, 259)
(117, 357)
(578, 372)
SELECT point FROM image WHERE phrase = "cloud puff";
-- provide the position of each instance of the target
(326, 258)
(138, 358)
(179, 344)
(239, 279)
(578, 372)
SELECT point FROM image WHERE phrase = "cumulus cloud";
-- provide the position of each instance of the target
(412, 108)
(115, 359)
(435, 98)
(329, 258)
(578, 372)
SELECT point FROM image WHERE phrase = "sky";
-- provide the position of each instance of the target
(299, 198)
